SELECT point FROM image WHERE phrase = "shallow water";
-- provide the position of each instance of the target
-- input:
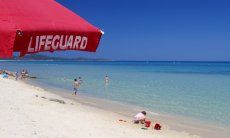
(200, 90)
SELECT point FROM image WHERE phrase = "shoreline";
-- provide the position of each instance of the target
(28, 111)
(175, 122)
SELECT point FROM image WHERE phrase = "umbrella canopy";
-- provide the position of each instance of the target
(32, 26)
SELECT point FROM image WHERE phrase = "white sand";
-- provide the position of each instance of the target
(22, 114)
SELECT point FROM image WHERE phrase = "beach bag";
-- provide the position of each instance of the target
(157, 126)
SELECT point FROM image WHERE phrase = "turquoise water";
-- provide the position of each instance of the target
(196, 89)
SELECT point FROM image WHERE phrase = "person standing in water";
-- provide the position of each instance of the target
(23, 74)
(79, 80)
(106, 80)
(76, 85)
(26, 74)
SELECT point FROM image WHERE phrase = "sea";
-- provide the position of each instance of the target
(200, 90)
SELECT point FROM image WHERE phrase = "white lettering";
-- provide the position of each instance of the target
(57, 42)
(37, 42)
(76, 42)
(48, 42)
(62, 44)
(30, 49)
(70, 42)
(55, 38)
(42, 41)
(83, 42)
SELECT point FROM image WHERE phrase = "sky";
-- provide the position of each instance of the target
(175, 30)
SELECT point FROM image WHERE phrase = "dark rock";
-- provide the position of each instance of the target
(57, 100)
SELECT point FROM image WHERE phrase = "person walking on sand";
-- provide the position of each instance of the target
(16, 75)
(106, 80)
(76, 85)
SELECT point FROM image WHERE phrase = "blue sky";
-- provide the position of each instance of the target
(157, 29)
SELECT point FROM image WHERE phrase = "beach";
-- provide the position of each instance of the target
(161, 72)
(199, 90)
(186, 98)
(26, 111)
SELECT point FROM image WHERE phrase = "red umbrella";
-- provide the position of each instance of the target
(32, 26)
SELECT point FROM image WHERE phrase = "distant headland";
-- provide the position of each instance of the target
(50, 58)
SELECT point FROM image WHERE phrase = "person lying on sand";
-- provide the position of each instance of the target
(140, 117)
